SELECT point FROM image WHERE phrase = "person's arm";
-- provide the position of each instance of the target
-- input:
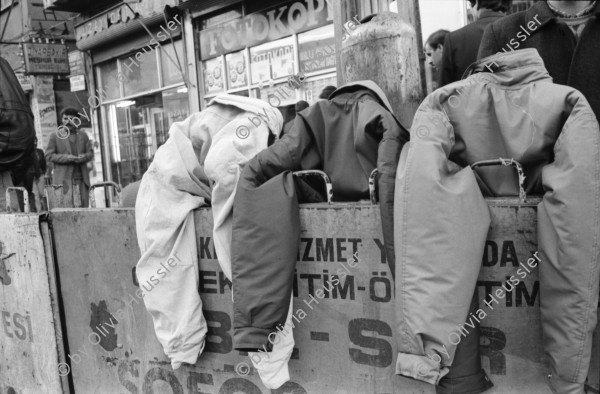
(53, 156)
(42, 161)
(489, 43)
(448, 69)
(89, 150)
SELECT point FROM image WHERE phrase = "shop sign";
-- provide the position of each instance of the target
(103, 22)
(46, 58)
(25, 81)
(265, 26)
(77, 83)
(76, 63)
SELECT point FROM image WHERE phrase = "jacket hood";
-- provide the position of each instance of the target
(274, 119)
(514, 67)
(367, 84)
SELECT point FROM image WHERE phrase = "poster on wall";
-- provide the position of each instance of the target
(25, 81)
(271, 61)
(44, 108)
(236, 70)
(213, 76)
(282, 63)
(317, 55)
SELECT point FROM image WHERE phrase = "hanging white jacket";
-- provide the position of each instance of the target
(178, 182)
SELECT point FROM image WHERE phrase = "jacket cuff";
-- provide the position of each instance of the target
(188, 356)
(252, 339)
(420, 368)
(471, 384)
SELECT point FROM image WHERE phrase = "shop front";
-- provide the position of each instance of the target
(141, 101)
(140, 84)
(252, 51)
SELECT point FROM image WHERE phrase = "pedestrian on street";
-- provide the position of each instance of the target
(70, 156)
(461, 46)
(434, 47)
(36, 177)
(565, 33)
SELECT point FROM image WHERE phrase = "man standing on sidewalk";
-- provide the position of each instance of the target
(461, 46)
(567, 38)
(70, 153)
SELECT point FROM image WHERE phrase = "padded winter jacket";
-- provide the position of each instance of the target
(200, 163)
(340, 136)
(442, 219)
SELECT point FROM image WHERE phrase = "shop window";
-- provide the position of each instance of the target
(140, 73)
(109, 80)
(277, 95)
(138, 127)
(312, 88)
(316, 50)
(171, 72)
(272, 60)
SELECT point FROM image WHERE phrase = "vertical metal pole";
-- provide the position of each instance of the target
(409, 11)
(343, 11)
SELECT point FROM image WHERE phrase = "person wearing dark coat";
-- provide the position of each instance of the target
(461, 46)
(566, 34)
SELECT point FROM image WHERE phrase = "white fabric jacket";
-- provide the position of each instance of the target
(202, 150)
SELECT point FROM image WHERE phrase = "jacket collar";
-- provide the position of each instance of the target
(514, 67)
(370, 85)
(274, 119)
(545, 15)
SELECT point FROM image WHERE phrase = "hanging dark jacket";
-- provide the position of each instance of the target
(340, 136)
(515, 112)
(16, 121)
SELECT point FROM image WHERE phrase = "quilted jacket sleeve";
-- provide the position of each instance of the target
(442, 222)
(168, 268)
(394, 138)
(569, 242)
(266, 233)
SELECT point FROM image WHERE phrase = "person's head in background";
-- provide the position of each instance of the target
(434, 47)
(491, 5)
(67, 115)
(301, 105)
(326, 92)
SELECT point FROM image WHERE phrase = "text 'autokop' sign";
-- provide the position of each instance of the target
(264, 26)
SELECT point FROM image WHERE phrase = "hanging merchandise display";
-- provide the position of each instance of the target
(440, 210)
(266, 225)
(165, 220)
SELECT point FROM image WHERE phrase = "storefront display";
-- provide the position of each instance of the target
(259, 51)
(317, 50)
(236, 66)
(141, 102)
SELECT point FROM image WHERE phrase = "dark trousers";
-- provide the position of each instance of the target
(466, 375)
